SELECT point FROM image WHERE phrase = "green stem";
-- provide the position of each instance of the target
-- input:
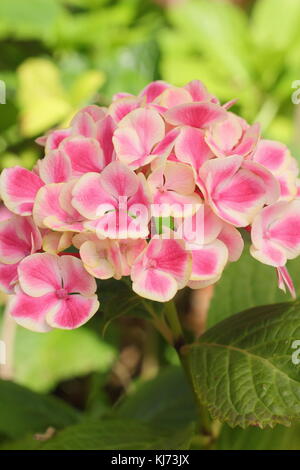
(179, 341)
(171, 315)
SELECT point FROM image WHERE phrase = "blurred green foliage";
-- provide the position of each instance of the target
(59, 55)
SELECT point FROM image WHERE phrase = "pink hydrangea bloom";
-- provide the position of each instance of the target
(157, 187)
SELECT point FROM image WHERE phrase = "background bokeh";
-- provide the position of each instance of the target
(59, 55)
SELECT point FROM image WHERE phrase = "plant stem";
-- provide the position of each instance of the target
(171, 315)
(179, 341)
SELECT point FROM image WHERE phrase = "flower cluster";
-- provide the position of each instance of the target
(158, 187)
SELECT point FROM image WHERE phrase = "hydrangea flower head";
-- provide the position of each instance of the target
(158, 188)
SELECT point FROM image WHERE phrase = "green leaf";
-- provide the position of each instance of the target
(43, 360)
(275, 23)
(242, 368)
(25, 20)
(111, 435)
(23, 411)
(248, 283)
(166, 399)
(42, 98)
(217, 29)
(118, 299)
(279, 438)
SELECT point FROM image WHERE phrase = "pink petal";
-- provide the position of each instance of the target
(198, 91)
(8, 277)
(118, 180)
(233, 240)
(285, 280)
(18, 188)
(208, 261)
(19, 237)
(75, 278)
(121, 107)
(190, 147)
(90, 198)
(30, 312)
(136, 136)
(104, 134)
(47, 204)
(85, 154)
(153, 90)
(39, 274)
(154, 285)
(72, 312)
(94, 256)
(55, 167)
(270, 154)
(271, 184)
(200, 115)
(173, 96)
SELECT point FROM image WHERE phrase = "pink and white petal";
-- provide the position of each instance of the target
(238, 200)
(249, 141)
(171, 257)
(30, 312)
(18, 188)
(198, 91)
(142, 195)
(208, 261)
(83, 124)
(132, 249)
(104, 133)
(39, 274)
(270, 254)
(202, 284)
(54, 138)
(217, 171)
(154, 285)
(75, 277)
(154, 89)
(85, 154)
(47, 204)
(264, 219)
(224, 136)
(137, 134)
(89, 196)
(286, 231)
(55, 242)
(170, 203)
(95, 259)
(191, 148)
(5, 213)
(121, 107)
(19, 237)
(233, 240)
(119, 180)
(285, 280)
(270, 154)
(271, 184)
(97, 113)
(8, 277)
(62, 225)
(199, 115)
(179, 177)
(72, 312)
(55, 167)
(173, 96)
(163, 149)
